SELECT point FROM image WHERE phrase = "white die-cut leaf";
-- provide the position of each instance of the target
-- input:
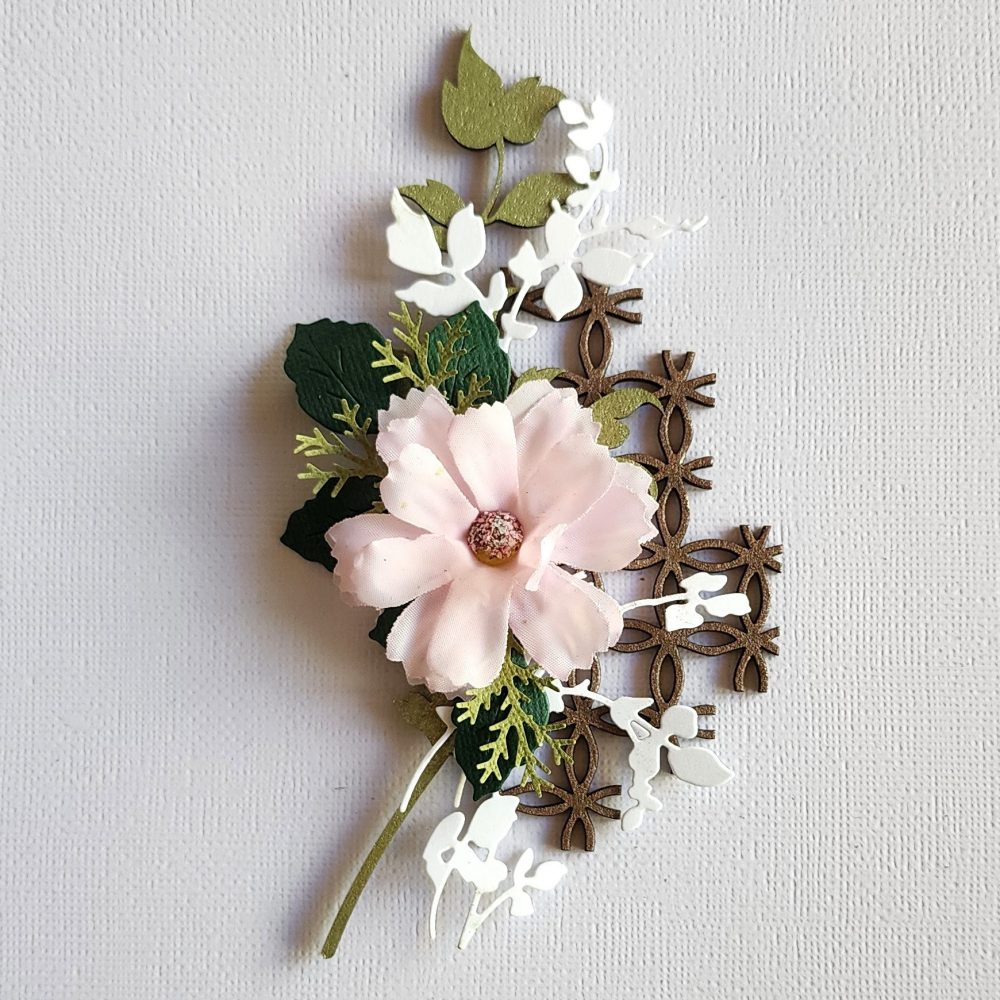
(466, 239)
(578, 167)
(697, 766)
(412, 246)
(572, 111)
(684, 607)
(492, 821)
(411, 239)
(447, 851)
(563, 292)
(607, 266)
(526, 265)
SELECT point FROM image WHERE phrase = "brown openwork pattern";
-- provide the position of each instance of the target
(748, 559)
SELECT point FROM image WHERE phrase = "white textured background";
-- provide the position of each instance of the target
(196, 740)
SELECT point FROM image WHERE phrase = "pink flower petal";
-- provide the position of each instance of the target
(609, 535)
(455, 638)
(348, 538)
(555, 416)
(470, 635)
(411, 635)
(564, 623)
(576, 473)
(485, 453)
(524, 398)
(419, 490)
(392, 571)
(422, 416)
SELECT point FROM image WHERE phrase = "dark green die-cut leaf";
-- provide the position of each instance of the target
(383, 626)
(307, 525)
(473, 738)
(437, 200)
(483, 355)
(526, 104)
(331, 361)
(529, 202)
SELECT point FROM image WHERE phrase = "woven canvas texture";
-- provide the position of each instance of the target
(196, 736)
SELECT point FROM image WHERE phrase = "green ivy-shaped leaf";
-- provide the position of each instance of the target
(438, 201)
(308, 525)
(536, 375)
(483, 356)
(529, 202)
(479, 113)
(609, 410)
(473, 110)
(526, 104)
(330, 362)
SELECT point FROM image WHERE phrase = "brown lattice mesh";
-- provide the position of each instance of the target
(575, 788)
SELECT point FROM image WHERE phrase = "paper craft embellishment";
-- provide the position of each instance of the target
(478, 511)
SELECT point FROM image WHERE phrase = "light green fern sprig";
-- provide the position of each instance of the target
(353, 450)
(415, 364)
(515, 684)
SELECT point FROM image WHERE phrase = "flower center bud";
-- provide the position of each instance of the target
(495, 537)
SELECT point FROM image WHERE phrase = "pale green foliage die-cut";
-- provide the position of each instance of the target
(438, 201)
(353, 451)
(609, 410)
(536, 375)
(529, 202)
(480, 113)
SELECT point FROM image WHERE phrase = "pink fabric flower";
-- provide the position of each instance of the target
(484, 509)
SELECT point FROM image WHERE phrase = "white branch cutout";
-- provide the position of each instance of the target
(412, 247)
(695, 765)
(448, 852)
(684, 612)
(568, 232)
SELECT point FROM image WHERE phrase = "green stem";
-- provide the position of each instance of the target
(488, 208)
(378, 849)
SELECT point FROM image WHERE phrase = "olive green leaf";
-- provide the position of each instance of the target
(437, 200)
(473, 111)
(536, 375)
(479, 113)
(526, 104)
(609, 410)
(418, 711)
(529, 201)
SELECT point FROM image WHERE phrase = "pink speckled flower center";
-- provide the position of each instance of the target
(495, 537)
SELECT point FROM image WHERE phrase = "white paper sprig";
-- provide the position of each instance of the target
(412, 246)
(448, 852)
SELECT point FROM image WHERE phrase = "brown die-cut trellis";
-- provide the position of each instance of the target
(674, 473)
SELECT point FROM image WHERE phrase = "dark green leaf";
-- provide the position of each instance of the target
(307, 526)
(386, 619)
(483, 355)
(329, 362)
(470, 738)
(474, 110)
(529, 202)
(525, 106)
(437, 200)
